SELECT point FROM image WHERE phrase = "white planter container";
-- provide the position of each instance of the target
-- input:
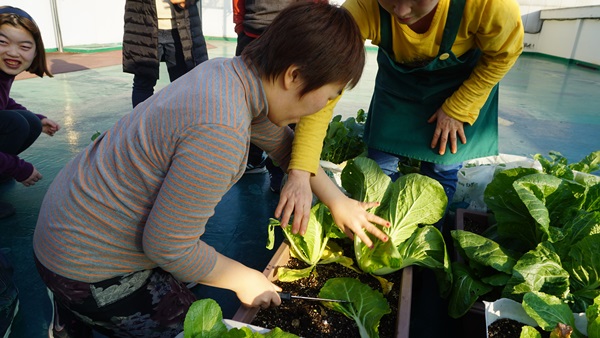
(508, 308)
(238, 325)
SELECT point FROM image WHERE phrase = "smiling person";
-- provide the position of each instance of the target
(119, 233)
(21, 49)
(436, 92)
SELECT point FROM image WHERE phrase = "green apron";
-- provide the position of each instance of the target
(404, 98)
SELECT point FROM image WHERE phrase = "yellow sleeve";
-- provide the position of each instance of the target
(499, 35)
(308, 139)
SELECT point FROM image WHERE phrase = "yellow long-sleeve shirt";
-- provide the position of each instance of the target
(493, 26)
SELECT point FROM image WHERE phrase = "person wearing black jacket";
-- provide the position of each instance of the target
(161, 30)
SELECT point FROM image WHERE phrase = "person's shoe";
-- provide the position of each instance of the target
(255, 169)
(9, 297)
(6, 210)
(6, 179)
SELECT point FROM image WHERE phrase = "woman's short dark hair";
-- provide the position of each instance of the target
(321, 39)
(38, 66)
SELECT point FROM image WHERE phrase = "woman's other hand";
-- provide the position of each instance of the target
(447, 129)
(295, 199)
(33, 178)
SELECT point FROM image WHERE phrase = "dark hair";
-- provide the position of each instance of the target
(321, 39)
(18, 18)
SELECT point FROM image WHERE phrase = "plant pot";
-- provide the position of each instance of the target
(281, 257)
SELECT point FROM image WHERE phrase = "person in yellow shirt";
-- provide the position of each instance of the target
(440, 62)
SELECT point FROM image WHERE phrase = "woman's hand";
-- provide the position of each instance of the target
(32, 179)
(49, 127)
(352, 217)
(255, 290)
(447, 128)
(295, 198)
(251, 286)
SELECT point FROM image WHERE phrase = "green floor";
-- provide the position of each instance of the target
(544, 105)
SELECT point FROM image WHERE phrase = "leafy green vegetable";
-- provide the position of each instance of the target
(366, 306)
(549, 224)
(313, 247)
(538, 270)
(529, 332)
(592, 314)
(344, 139)
(548, 311)
(557, 165)
(204, 319)
(466, 289)
(409, 204)
(95, 135)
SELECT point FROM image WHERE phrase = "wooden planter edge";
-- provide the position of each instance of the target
(246, 314)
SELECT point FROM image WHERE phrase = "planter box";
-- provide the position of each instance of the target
(469, 218)
(281, 257)
(473, 324)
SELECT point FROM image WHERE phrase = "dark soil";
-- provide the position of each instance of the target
(475, 224)
(508, 328)
(310, 319)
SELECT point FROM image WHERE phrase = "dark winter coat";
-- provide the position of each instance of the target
(140, 38)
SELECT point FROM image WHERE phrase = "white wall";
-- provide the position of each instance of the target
(556, 38)
(528, 6)
(41, 12)
(587, 47)
(570, 33)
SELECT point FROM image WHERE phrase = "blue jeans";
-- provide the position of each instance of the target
(446, 174)
(171, 52)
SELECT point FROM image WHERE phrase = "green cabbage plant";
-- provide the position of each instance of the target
(204, 319)
(313, 247)
(411, 204)
(547, 238)
(366, 306)
(344, 139)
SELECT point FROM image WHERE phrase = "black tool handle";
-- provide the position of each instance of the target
(285, 295)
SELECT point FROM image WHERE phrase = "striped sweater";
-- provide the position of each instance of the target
(139, 197)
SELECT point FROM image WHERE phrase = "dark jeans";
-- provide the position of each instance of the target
(18, 130)
(446, 174)
(171, 52)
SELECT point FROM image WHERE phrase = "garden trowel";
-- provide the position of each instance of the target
(289, 296)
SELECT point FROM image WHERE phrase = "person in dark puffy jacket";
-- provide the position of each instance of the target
(161, 30)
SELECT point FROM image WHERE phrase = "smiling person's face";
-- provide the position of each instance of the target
(17, 49)
(408, 12)
(287, 106)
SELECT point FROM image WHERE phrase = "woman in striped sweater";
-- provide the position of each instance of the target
(120, 230)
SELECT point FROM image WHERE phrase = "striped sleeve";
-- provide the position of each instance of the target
(201, 172)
